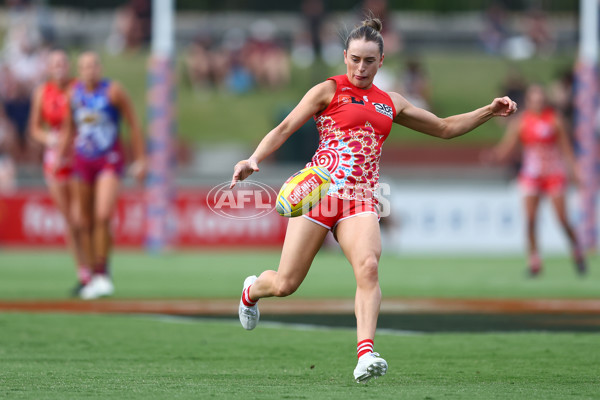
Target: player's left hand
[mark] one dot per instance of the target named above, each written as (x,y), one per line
(139,169)
(503,106)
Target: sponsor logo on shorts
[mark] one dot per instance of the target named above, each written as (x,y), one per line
(247,200)
(384,109)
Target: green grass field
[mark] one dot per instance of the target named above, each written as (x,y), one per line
(48,275)
(59,356)
(132,357)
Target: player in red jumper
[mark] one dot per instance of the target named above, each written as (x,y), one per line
(49,109)
(546,154)
(354,117)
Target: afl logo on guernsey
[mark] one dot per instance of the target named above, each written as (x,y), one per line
(384,109)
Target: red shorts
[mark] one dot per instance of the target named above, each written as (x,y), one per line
(332,210)
(88,169)
(62,174)
(52,172)
(551,185)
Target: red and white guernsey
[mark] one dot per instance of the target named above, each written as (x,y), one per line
(541,152)
(351,131)
(54,107)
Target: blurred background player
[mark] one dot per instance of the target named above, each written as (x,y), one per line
(547,151)
(50,106)
(25,61)
(354,117)
(96,107)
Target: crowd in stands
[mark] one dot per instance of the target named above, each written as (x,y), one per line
(22,68)
(240,61)
(533,36)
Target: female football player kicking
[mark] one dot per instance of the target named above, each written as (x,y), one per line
(353,117)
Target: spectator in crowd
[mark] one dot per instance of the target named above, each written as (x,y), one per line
(313,12)
(240,62)
(23,69)
(265,56)
(205,65)
(415,85)
(7,166)
(538,31)
(514,85)
(495,31)
(131,27)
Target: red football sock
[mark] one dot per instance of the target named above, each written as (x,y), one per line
(248,302)
(84,274)
(535,262)
(102,268)
(364,347)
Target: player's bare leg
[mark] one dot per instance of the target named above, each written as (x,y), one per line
(85,211)
(360,240)
(63,195)
(105,198)
(303,239)
(74,216)
(107,190)
(531,207)
(560,207)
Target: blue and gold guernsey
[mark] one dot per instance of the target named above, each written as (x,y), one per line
(96,119)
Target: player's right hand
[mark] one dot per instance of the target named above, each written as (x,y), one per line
(242,170)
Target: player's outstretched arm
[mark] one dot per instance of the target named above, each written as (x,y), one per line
(426,122)
(121,100)
(313,102)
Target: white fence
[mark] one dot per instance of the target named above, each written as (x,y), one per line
(467,219)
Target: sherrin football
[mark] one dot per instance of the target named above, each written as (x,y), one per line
(302,191)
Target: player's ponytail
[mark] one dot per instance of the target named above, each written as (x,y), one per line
(369,31)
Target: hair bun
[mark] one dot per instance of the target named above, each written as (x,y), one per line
(374,23)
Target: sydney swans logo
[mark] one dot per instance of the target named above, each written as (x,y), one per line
(247,200)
